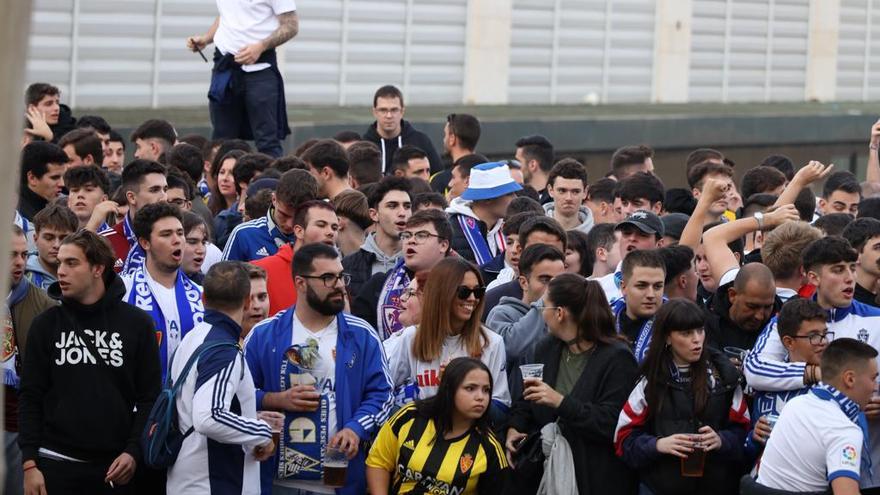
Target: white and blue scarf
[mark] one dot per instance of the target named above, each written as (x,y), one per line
(388,309)
(136,255)
(479,246)
(188,296)
(643,341)
(854,413)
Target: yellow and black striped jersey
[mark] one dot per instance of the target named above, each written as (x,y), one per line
(421,462)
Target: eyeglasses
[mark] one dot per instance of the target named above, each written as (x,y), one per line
(816,338)
(465,292)
(421,236)
(330,279)
(408,293)
(389,111)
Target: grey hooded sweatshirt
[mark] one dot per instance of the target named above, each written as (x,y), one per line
(584,215)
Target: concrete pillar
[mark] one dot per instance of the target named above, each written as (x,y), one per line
(487,51)
(821,83)
(15,23)
(672,51)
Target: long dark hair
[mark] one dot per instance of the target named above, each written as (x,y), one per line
(674,315)
(441,406)
(217,203)
(586,300)
(439,297)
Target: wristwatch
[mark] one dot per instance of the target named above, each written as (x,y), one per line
(759,216)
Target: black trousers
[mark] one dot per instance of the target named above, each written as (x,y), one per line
(76,478)
(253,104)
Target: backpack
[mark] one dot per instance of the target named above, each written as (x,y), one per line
(162,439)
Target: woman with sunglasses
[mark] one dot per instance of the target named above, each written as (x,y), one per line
(588,373)
(684,424)
(443,444)
(451,305)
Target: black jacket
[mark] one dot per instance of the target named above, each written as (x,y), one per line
(66,123)
(723,467)
(408,136)
(75,405)
(29,202)
(588,415)
(359,265)
(721,331)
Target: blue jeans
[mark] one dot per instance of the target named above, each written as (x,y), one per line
(14,484)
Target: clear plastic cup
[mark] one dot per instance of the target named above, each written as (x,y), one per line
(335,467)
(532,371)
(276,423)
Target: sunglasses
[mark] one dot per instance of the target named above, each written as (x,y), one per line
(465,292)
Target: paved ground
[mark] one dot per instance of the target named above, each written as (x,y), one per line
(304,116)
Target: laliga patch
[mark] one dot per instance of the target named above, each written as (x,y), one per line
(848,456)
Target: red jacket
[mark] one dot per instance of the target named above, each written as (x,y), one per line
(116,237)
(282,293)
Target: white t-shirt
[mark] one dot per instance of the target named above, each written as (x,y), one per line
(325,373)
(812,443)
(213,255)
(243,22)
(612,291)
(404,366)
(168,305)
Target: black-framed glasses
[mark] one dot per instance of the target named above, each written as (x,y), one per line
(816,338)
(420,236)
(330,279)
(465,292)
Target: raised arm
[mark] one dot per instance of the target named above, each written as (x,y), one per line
(873,172)
(808,174)
(713,190)
(715,240)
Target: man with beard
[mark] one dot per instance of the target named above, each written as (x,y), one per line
(642,229)
(325,370)
(159,286)
(24,302)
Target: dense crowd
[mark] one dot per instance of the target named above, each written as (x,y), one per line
(369,314)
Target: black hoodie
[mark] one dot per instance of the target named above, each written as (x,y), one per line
(75,406)
(408,136)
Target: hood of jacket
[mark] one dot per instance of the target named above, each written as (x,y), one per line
(462,207)
(585,216)
(114,293)
(406,130)
(514,303)
(34,265)
(372,247)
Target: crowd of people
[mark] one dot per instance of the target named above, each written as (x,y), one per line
(369,314)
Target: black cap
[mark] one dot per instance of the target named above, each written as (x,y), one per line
(673,224)
(644,220)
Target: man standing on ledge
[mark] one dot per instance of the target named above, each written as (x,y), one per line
(246,97)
